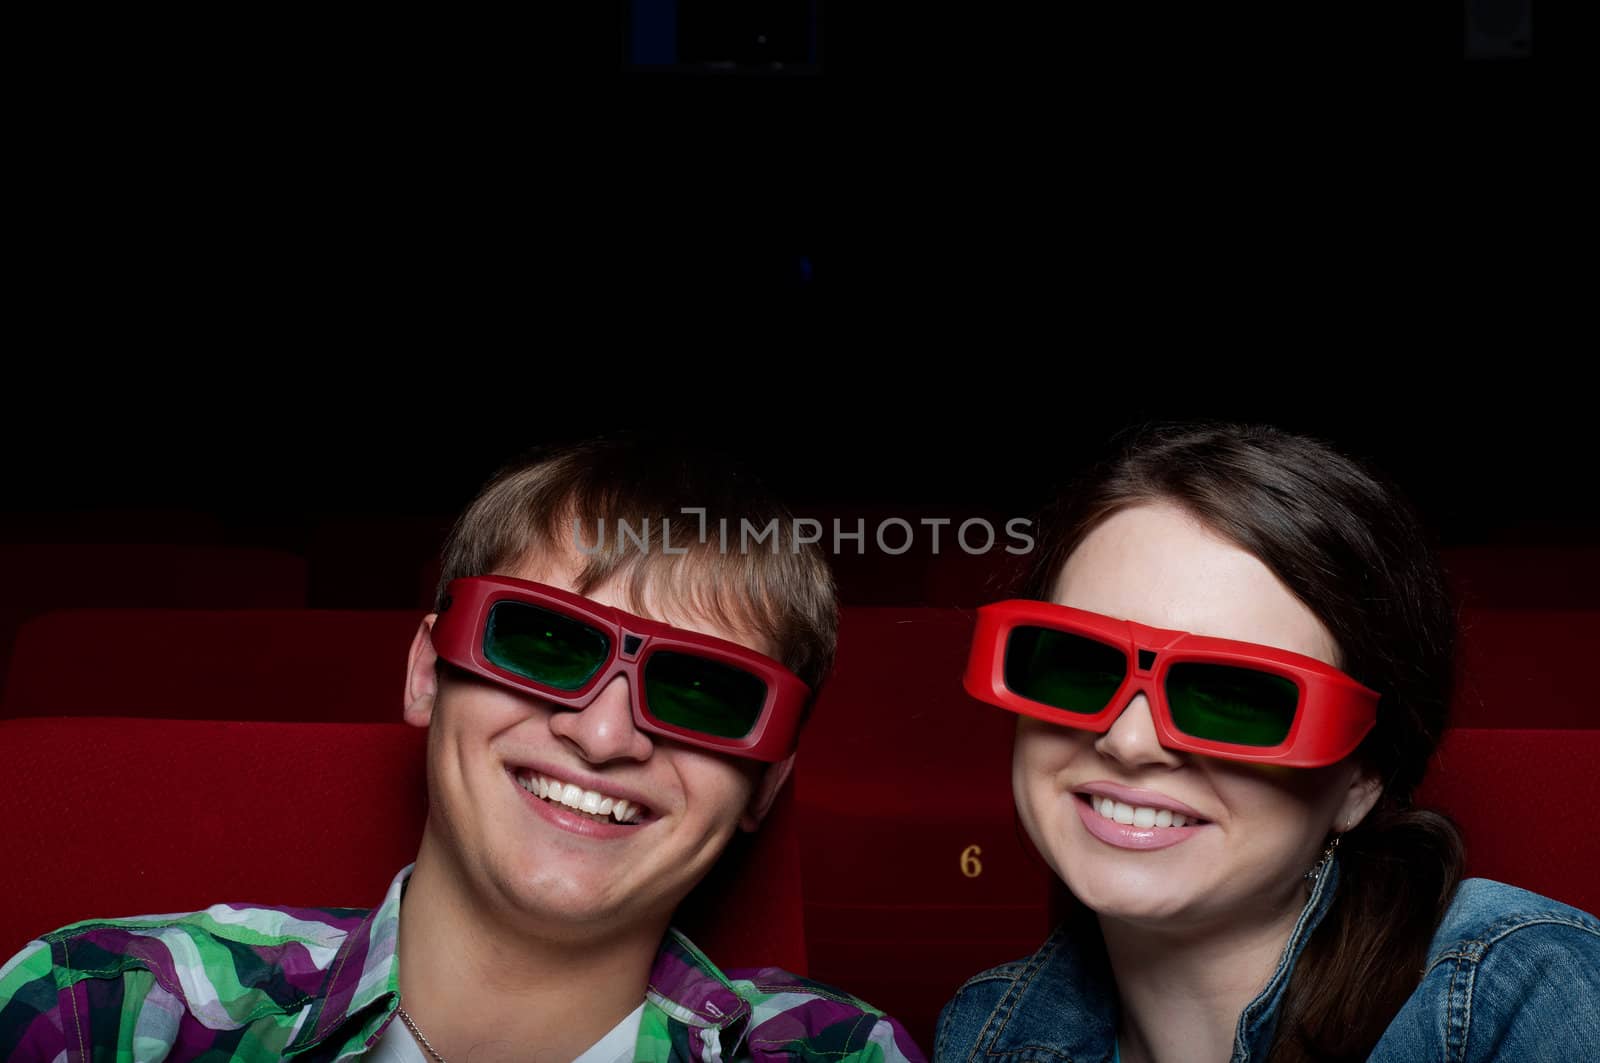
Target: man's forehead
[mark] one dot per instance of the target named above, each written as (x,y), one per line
(655,599)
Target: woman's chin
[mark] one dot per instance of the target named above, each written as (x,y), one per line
(1140,910)
(1149,900)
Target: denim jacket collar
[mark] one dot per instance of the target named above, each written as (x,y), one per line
(1062,1005)
(1259,1020)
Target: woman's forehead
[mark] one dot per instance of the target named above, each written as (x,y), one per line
(1157,565)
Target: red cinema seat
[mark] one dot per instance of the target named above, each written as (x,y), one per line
(916,875)
(51,575)
(1525,577)
(317,665)
(428,584)
(371,560)
(109,816)
(1517,669)
(1521,798)
(967,580)
(40,577)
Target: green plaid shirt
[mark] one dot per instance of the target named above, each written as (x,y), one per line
(250,984)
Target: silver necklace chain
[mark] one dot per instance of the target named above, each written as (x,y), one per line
(412,1026)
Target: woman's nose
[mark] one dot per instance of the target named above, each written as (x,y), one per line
(1132,738)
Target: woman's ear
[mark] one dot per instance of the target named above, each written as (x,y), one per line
(422,680)
(1364,791)
(765,793)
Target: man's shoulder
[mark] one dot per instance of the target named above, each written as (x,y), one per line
(774,990)
(800,1018)
(218,964)
(87,945)
(772,1015)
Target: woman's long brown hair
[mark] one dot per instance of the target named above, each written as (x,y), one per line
(1347,544)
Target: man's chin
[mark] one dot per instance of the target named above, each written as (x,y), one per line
(563,918)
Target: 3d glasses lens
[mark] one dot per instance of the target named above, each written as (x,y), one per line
(702,695)
(1063,670)
(1224,703)
(544,646)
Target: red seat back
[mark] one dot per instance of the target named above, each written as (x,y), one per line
(1525,577)
(1517,669)
(39,577)
(53,575)
(106,816)
(1521,798)
(916,874)
(317,665)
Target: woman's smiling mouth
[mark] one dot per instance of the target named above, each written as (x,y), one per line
(1134,828)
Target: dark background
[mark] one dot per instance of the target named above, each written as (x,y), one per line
(1490,454)
(223,310)
(764,36)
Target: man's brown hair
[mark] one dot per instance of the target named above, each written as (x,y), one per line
(607,498)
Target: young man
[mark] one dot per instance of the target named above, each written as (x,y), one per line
(607,701)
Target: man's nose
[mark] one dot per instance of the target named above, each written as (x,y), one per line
(604,730)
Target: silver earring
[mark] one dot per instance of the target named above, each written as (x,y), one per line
(1327,854)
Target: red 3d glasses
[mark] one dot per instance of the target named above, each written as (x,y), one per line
(564,648)
(1214,696)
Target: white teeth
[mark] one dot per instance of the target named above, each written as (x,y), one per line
(576,797)
(1137,816)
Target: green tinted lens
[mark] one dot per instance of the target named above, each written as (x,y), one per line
(1224,703)
(1062,670)
(543,646)
(699,694)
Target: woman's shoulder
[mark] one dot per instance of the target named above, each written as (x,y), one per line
(996,978)
(987,987)
(1056,997)
(963,1018)
(1510,975)
(1484,913)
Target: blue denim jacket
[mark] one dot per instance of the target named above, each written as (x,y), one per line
(1511,976)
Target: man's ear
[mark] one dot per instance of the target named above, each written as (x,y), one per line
(422,680)
(765,793)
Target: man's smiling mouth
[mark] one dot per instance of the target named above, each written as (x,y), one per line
(598,806)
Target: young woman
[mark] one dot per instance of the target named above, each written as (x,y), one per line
(1231,670)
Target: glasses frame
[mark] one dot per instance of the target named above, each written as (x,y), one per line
(1332,716)
(461,627)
